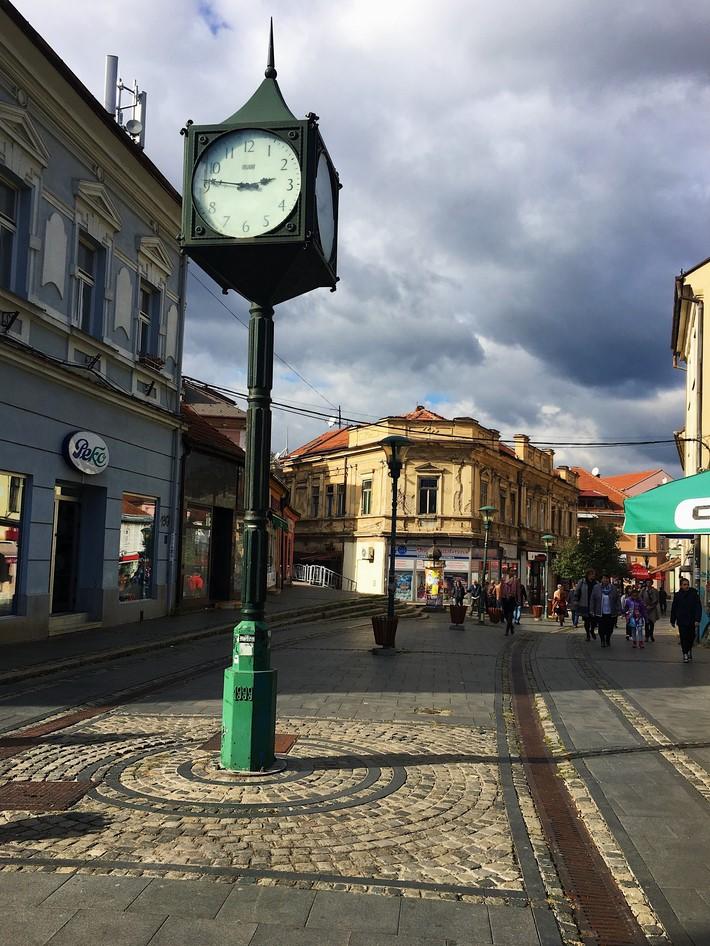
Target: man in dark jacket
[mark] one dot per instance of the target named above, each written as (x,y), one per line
(581,602)
(686,612)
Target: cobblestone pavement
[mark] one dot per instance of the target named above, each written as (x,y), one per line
(402,816)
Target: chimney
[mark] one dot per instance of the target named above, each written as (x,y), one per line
(521,446)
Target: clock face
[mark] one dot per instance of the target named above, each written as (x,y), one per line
(324,207)
(246,183)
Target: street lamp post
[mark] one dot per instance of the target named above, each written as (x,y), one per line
(396,449)
(487,513)
(548,540)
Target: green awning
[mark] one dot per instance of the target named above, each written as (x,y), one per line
(278,522)
(679,507)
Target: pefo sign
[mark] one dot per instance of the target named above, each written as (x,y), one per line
(87,452)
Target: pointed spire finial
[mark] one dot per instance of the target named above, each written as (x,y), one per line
(270,67)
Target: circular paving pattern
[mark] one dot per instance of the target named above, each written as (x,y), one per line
(416,802)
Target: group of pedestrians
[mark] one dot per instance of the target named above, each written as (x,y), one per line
(601,604)
(508,595)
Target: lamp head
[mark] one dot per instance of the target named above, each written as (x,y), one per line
(487,514)
(396,449)
(548,540)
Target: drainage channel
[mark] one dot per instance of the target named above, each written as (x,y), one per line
(602,914)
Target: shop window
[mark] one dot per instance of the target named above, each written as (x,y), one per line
(315,501)
(641,542)
(340,500)
(428,494)
(329,500)
(88,307)
(366,497)
(148,319)
(135,564)
(11,497)
(196,541)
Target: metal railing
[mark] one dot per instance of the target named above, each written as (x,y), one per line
(323,577)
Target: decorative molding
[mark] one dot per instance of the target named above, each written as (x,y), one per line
(123,308)
(18,126)
(58,204)
(153,249)
(54,265)
(97,199)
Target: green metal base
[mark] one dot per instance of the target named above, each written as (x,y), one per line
(248,720)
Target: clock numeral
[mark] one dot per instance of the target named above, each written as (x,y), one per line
(266,221)
(282,205)
(290,184)
(245,227)
(206,184)
(249,145)
(212,209)
(229,153)
(225,221)
(284,163)
(215,167)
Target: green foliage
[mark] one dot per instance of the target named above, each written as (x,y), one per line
(597,547)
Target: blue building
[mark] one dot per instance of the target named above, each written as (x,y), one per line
(91,313)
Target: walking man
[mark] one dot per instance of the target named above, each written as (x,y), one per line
(475,592)
(509,596)
(582,596)
(605,606)
(663,599)
(686,612)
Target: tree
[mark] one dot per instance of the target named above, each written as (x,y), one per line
(596,547)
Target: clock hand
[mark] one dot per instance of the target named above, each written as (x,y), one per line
(266,180)
(240,185)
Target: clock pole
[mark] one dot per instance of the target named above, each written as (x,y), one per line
(249,705)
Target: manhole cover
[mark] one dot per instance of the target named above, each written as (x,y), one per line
(41,796)
(283,744)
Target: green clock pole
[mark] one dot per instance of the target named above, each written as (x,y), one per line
(249,705)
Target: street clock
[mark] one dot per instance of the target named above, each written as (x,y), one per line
(260,199)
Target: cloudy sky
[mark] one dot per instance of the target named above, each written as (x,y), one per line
(522,182)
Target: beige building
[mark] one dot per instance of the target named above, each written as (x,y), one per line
(341,487)
(689,342)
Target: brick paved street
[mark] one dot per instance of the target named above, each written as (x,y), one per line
(400,817)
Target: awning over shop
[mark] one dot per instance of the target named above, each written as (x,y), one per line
(676,508)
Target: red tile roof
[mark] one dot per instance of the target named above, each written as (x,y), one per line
(421,413)
(330,440)
(626,480)
(202,433)
(588,482)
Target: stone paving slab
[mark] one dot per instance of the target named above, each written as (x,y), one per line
(180,898)
(90,927)
(361,913)
(29,926)
(181,931)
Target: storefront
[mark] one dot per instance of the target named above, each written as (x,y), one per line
(459,561)
(88,487)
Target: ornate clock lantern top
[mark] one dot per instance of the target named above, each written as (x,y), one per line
(260,206)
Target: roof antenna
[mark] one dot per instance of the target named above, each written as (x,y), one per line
(270,67)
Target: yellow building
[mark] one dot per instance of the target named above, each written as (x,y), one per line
(689,342)
(341,487)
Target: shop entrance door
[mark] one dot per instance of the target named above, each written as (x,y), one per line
(221,554)
(65,549)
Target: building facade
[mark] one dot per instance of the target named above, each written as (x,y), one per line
(91,314)
(341,488)
(689,345)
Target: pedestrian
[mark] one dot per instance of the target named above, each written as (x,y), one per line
(559,604)
(582,595)
(663,599)
(459,592)
(686,612)
(605,605)
(519,607)
(572,605)
(474,589)
(636,619)
(650,598)
(509,597)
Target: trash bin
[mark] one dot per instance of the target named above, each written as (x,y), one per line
(385,629)
(458,613)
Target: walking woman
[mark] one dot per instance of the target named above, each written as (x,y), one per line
(636,619)
(686,612)
(650,598)
(559,604)
(605,607)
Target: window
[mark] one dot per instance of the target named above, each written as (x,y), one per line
(366,500)
(11,496)
(196,538)
(513,508)
(8,230)
(340,504)
(329,499)
(315,501)
(428,489)
(86,283)
(484,493)
(641,542)
(135,563)
(503,507)
(148,316)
